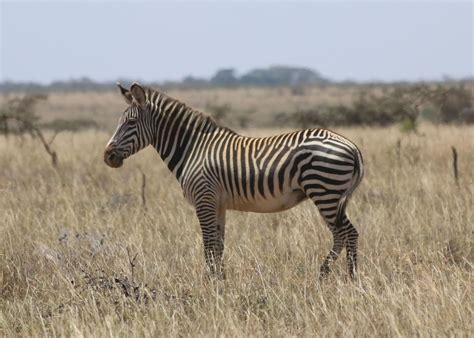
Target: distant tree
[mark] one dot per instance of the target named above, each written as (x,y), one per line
(191,81)
(282,76)
(224,77)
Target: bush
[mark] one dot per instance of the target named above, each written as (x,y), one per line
(454,104)
(408,125)
(467,115)
(70,125)
(219,111)
(403,105)
(18,116)
(298,90)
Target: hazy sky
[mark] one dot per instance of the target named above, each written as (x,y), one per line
(46,41)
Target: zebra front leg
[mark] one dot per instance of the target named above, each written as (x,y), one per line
(213,230)
(213,252)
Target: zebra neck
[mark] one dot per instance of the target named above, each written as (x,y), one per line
(178,131)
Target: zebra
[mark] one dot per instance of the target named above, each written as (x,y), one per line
(219,169)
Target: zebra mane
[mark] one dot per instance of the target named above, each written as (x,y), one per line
(199,116)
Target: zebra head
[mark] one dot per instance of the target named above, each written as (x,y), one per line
(133,131)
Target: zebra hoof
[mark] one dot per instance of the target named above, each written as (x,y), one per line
(324,272)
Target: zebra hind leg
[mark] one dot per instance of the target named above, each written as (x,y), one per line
(326,202)
(344,234)
(351,237)
(348,236)
(338,245)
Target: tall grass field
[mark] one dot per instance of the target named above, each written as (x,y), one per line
(86,250)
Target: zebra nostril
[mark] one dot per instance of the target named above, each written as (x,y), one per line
(113,158)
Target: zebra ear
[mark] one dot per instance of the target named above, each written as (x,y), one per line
(138,93)
(125,93)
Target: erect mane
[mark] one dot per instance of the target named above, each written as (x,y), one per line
(197,114)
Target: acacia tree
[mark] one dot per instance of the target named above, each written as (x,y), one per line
(18,117)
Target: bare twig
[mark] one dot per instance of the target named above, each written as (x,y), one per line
(49,150)
(51,140)
(455,165)
(143,191)
(399,146)
(132,263)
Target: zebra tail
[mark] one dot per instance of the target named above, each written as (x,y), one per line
(355,181)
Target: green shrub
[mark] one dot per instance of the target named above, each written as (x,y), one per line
(408,125)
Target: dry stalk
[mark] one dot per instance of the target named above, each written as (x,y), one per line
(132,263)
(455,166)
(144,190)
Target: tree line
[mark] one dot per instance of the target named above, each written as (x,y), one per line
(228,77)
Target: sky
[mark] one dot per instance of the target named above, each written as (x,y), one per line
(156,41)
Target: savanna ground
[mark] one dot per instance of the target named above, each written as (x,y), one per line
(81,252)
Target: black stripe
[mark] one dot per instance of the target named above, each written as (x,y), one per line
(251,169)
(311,177)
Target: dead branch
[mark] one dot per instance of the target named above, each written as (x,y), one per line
(131,262)
(143,191)
(46,145)
(455,166)
(36,132)
(21,111)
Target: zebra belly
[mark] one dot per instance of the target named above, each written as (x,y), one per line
(279,202)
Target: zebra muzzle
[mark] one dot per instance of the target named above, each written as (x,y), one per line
(112,158)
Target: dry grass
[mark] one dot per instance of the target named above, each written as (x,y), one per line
(259,104)
(65,269)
